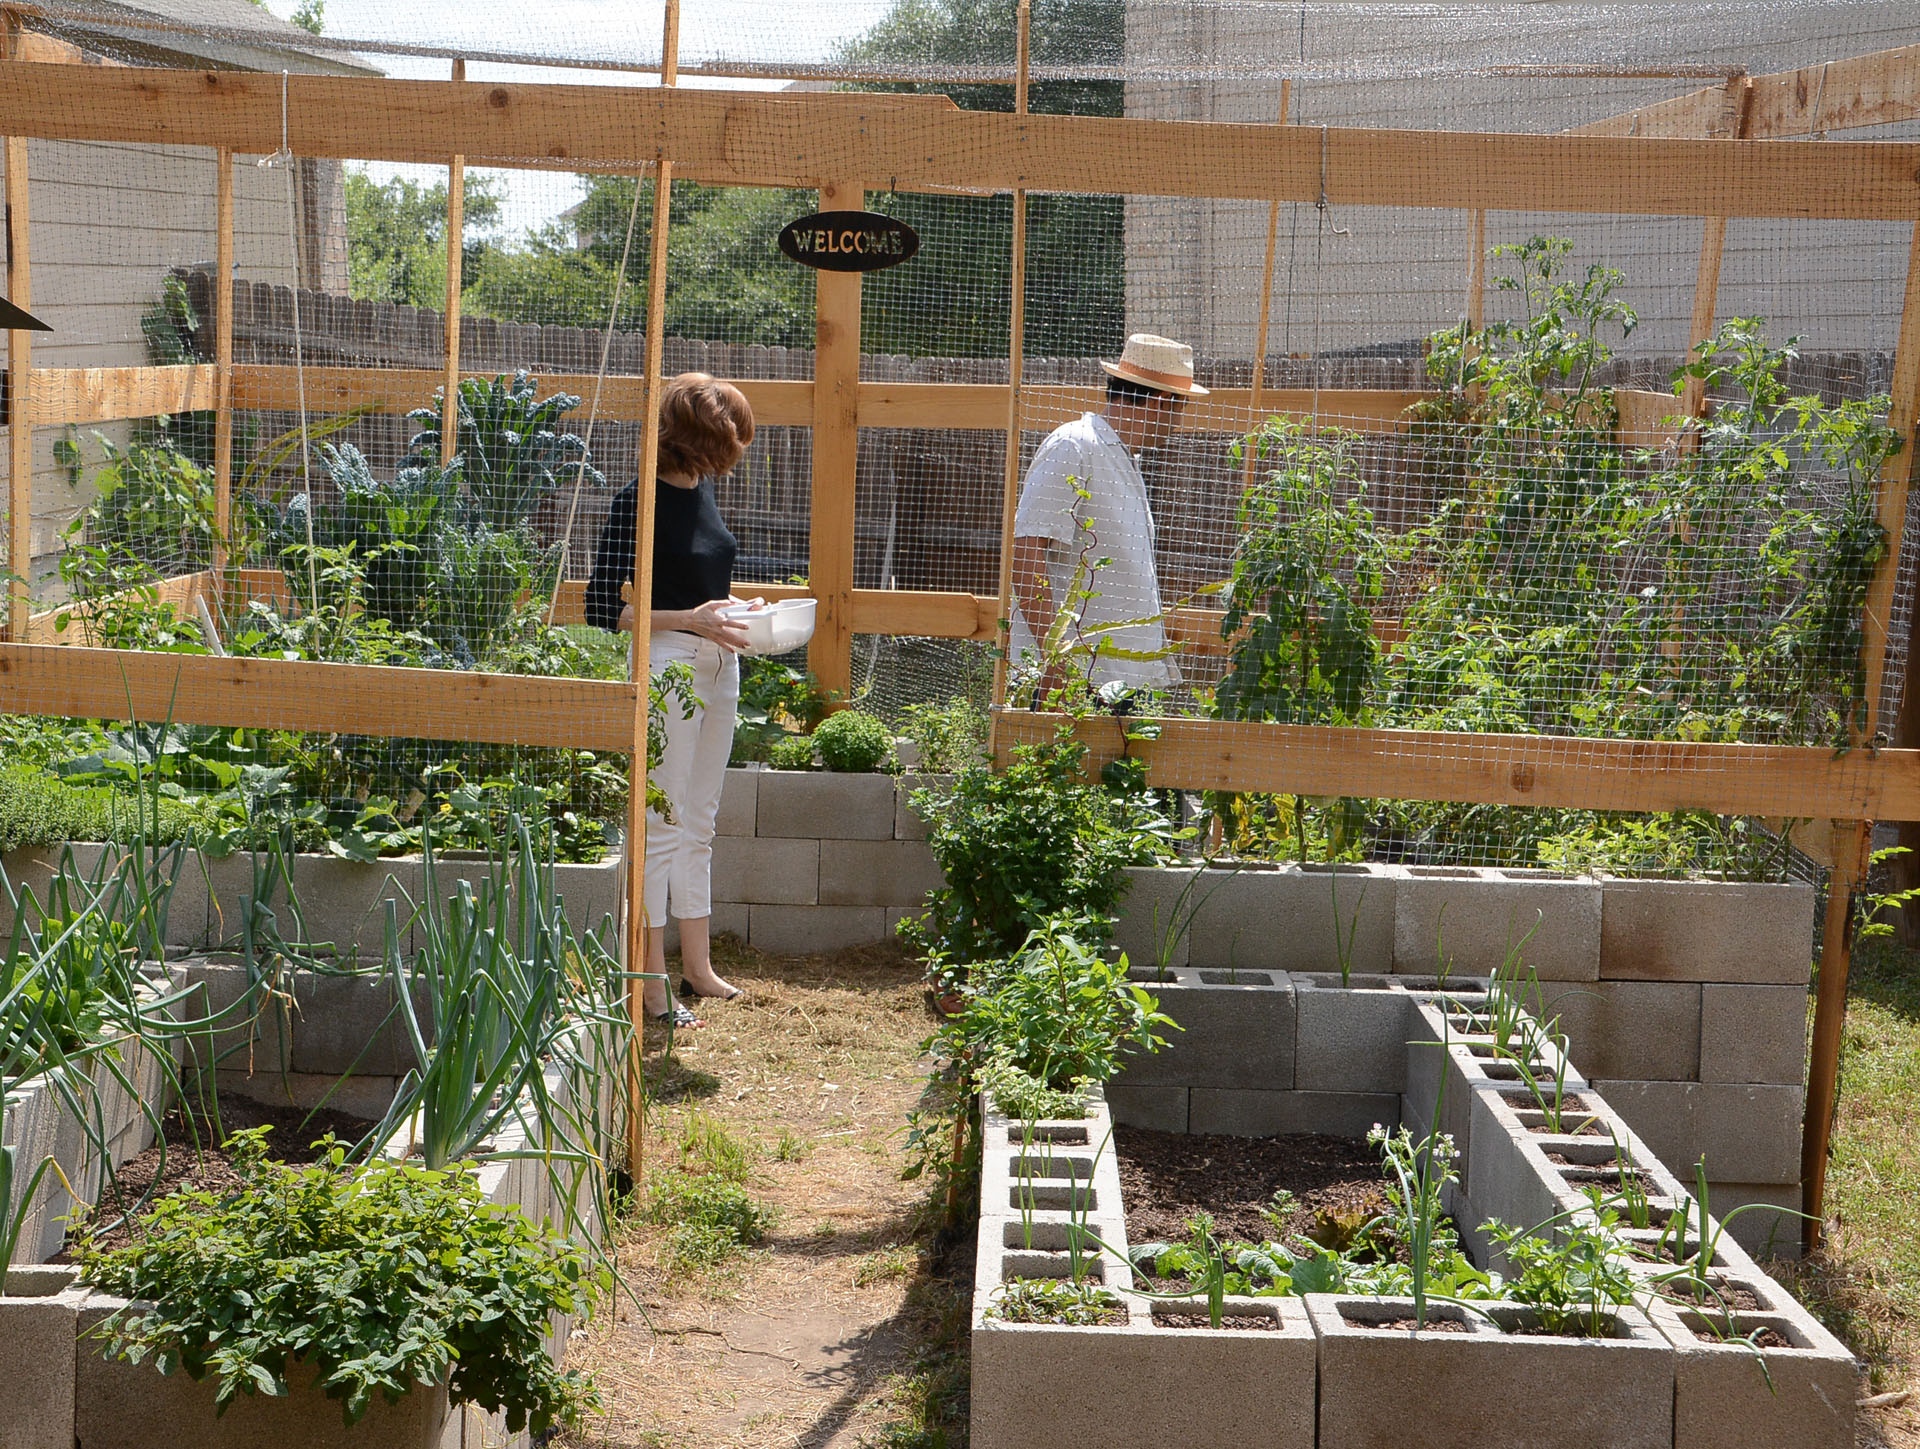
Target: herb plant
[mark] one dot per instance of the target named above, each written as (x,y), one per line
(382,1279)
(853,743)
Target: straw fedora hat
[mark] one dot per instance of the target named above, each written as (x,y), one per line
(1159,363)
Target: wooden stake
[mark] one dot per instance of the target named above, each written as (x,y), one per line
(1850,849)
(456,237)
(641,598)
(1476,308)
(1016,364)
(20,393)
(836,453)
(1736,100)
(223,359)
(1256,397)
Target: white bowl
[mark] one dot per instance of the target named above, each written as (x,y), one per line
(774,628)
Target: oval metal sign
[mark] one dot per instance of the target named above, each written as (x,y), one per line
(849,241)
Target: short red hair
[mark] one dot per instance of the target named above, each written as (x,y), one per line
(705,425)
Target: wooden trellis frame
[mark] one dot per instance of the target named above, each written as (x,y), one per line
(1660,160)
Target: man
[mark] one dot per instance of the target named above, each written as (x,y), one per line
(1084,501)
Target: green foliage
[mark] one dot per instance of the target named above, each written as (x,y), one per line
(791,752)
(39,809)
(1055,1300)
(381,1278)
(1025,1097)
(1573,1278)
(396,236)
(152,503)
(1021,844)
(1057,1011)
(713,1218)
(853,743)
(950,736)
(775,700)
(512,451)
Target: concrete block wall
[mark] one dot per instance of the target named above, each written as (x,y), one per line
(1684,1002)
(807,861)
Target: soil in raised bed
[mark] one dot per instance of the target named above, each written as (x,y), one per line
(191,1161)
(1409,1325)
(1246,1322)
(1739,1300)
(1765,1338)
(1167,1177)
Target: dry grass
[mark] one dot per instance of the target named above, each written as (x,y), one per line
(799,1090)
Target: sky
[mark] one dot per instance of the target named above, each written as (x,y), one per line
(626,30)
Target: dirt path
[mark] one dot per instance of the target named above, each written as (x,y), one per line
(827,1333)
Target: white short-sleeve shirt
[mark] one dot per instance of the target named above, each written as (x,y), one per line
(1113,522)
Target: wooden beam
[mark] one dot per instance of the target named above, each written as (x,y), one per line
(1896,480)
(1842,95)
(104,394)
(836,452)
(328,699)
(20,392)
(1646,419)
(731,137)
(456,239)
(71,624)
(222,356)
(1580,774)
(1851,842)
(31,45)
(1016,376)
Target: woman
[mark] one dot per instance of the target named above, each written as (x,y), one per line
(705,426)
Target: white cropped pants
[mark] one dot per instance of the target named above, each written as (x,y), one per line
(692,772)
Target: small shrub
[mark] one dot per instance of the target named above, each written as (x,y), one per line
(853,743)
(37,809)
(1056,1300)
(791,752)
(951,736)
(381,1278)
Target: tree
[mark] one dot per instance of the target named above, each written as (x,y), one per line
(396,237)
(955,298)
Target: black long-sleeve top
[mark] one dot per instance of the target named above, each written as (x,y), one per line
(693,552)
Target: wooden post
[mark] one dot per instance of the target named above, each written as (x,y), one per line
(19,372)
(1476,308)
(1016,364)
(456,236)
(223,362)
(1256,399)
(1713,242)
(641,598)
(1850,862)
(1850,848)
(836,450)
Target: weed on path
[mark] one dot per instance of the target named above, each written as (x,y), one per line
(789,1290)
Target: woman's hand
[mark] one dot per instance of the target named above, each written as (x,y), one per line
(707,623)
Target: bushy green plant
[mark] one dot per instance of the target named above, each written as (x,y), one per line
(152,502)
(713,1217)
(775,700)
(853,743)
(1020,844)
(511,449)
(950,736)
(791,752)
(39,809)
(1055,1300)
(1573,1278)
(1057,1010)
(382,1279)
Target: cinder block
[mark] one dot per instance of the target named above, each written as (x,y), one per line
(1770,1228)
(1156,910)
(1380,1387)
(358,1096)
(807,930)
(1162,1109)
(1634,1030)
(26,871)
(1662,1115)
(825,806)
(1511,1180)
(1478,919)
(729,918)
(766,872)
(1681,930)
(876,872)
(1750,1132)
(1038,1386)
(1285,919)
(131,1406)
(739,798)
(1237,1112)
(909,823)
(1236,1033)
(38,1322)
(345,1024)
(1351,1038)
(1727,1397)
(1753,1034)
(255,1031)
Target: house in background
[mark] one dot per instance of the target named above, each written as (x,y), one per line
(109,221)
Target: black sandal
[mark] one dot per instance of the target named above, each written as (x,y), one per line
(676,1016)
(687,993)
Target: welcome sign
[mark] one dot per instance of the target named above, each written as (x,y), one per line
(849,241)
